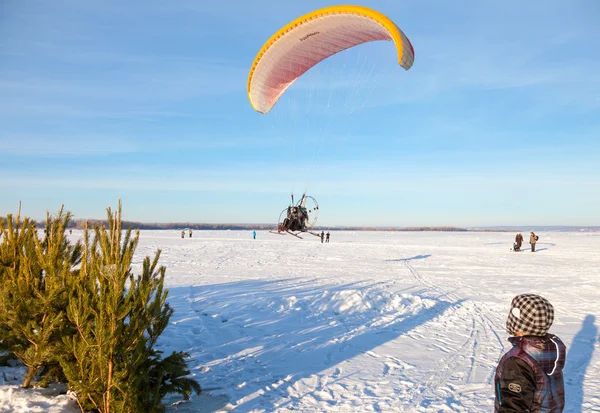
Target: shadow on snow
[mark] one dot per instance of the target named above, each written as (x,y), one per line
(416,257)
(262,337)
(578,360)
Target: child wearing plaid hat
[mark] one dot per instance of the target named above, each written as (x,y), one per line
(529,377)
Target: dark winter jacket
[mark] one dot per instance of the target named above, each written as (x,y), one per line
(529,377)
(519,240)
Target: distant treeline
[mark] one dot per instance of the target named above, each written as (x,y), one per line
(80,223)
(445,229)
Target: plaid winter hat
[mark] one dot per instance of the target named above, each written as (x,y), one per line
(530,314)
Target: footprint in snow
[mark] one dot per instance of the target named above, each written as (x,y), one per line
(369,392)
(328,358)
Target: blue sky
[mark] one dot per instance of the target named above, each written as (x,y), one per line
(497,122)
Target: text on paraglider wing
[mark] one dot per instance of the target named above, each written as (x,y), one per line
(309,35)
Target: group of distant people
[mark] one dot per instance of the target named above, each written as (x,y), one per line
(519,241)
(324,237)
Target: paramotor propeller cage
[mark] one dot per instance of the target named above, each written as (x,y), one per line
(312,207)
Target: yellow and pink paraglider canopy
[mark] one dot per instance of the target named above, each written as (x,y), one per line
(312,38)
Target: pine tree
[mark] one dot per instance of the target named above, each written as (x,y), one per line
(111,363)
(15,247)
(36,277)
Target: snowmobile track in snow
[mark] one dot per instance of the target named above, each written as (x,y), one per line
(482,335)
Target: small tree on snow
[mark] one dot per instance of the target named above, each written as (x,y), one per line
(111,363)
(35,278)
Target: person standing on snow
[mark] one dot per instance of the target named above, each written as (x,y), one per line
(190,233)
(327,237)
(519,241)
(532,240)
(183,234)
(254,234)
(322,236)
(529,377)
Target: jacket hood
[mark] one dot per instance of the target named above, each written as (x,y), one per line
(548,351)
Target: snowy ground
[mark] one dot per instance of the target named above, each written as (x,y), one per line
(370,322)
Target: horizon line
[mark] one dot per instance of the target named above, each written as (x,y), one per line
(246,225)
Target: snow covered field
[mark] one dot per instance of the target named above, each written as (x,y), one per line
(373,321)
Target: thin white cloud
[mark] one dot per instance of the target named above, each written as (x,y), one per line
(389,176)
(175,80)
(375,186)
(86,144)
(62,146)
